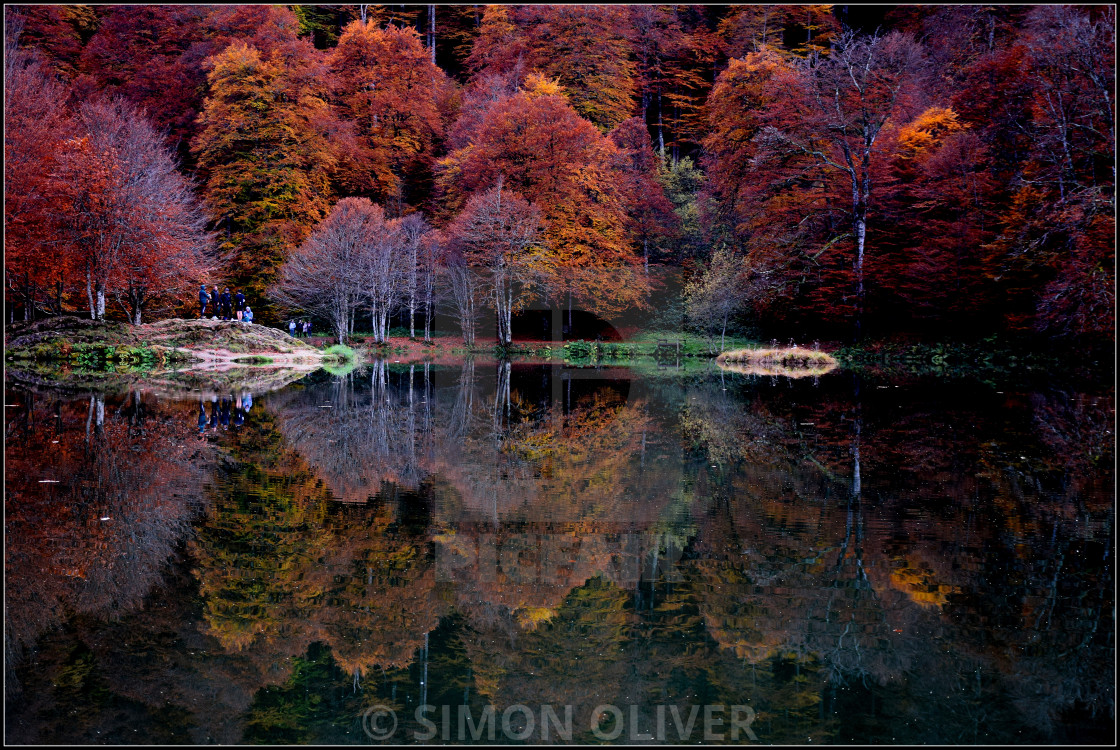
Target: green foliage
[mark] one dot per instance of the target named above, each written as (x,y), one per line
(323,23)
(990,357)
(339,352)
(316,704)
(682,182)
(339,360)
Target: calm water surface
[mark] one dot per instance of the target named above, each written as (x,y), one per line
(854,559)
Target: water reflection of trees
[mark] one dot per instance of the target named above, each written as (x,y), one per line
(695,546)
(494,452)
(949,555)
(99,493)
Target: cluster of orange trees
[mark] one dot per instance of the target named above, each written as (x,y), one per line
(949,169)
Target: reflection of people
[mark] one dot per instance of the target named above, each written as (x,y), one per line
(214,413)
(223,412)
(238,413)
(247,402)
(201,417)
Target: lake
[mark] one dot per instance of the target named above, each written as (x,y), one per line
(509,552)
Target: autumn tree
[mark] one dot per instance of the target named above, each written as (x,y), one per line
(852,93)
(265,161)
(127,218)
(814,123)
(586,49)
(383,270)
(554,158)
(651,220)
(937,217)
(37,123)
(498,230)
(58,32)
(386,82)
(429,256)
(715,293)
(1063,209)
(464,290)
(152,56)
(320,276)
(413,228)
(751,28)
(777,210)
(499,43)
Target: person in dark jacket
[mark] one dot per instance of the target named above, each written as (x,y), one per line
(227,304)
(215,303)
(203,298)
(239,304)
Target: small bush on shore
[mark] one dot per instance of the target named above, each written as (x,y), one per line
(788,358)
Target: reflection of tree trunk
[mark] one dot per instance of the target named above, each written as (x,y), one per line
(501,396)
(464,402)
(855,453)
(424,679)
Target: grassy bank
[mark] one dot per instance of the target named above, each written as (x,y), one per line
(89,345)
(99,345)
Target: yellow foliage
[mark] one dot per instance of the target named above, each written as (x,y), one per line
(920,586)
(536,84)
(927,131)
(530,617)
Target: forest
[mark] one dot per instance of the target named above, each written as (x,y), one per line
(843,173)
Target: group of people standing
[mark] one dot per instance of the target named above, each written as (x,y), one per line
(225,305)
(300,327)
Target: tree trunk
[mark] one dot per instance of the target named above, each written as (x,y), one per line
(28,297)
(432,31)
(660,129)
(428,319)
(861,236)
(89,296)
(509,317)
